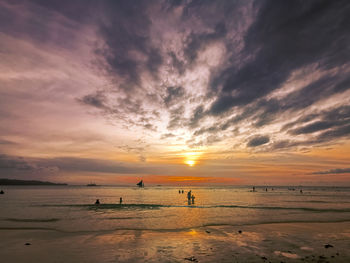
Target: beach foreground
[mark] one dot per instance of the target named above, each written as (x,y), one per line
(285,242)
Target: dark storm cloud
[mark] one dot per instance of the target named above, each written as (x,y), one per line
(300,120)
(286,35)
(212,129)
(337,133)
(6,142)
(92,165)
(178,64)
(15,164)
(261,46)
(173,95)
(167,135)
(282,144)
(123,25)
(125,29)
(176,118)
(334,171)
(332,124)
(315,127)
(337,118)
(196,41)
(320,89)
(78,10)
(38,21)
(97,100)
(211,12)
(18,163)
(300,99)
(197,115)
(258,140)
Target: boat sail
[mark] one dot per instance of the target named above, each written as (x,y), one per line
(140,184)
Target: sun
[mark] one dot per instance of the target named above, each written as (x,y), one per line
(190,162)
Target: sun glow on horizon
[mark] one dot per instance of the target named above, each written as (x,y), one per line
(190,162)
(191,158)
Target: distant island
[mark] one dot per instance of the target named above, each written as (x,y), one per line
(25,182)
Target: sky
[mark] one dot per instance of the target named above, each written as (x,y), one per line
(175,92)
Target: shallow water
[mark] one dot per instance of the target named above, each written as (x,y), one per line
(72,209)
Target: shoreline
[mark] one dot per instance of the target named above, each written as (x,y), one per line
(281,242)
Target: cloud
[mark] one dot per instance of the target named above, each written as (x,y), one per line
(314,127)
(167,135)
(176,118)
(173,95)
(89,75)
(194,41)
(128,49)
(336,118)
(284,36)
(197,115)
(71,164)
(258,140)
(340,132)
(20,165)
(97,100)
(92,165)
(334,171)
(6,142)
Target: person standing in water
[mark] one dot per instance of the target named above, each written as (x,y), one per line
(120,200)
(189,194)
(193,197)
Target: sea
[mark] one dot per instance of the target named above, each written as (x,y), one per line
(73,209)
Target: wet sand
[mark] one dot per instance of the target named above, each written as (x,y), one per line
(292,242)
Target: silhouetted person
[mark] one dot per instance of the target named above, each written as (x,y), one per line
(179,191)
(120,200)
(182,191)
(301,191)
(189,194)
(253,188)
(266,189)
(193,197)
(2,192)
(97,202)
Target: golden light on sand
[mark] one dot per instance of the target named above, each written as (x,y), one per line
(193,232)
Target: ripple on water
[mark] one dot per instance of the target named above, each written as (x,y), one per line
(286,254)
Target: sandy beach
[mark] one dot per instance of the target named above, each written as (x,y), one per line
(296,242)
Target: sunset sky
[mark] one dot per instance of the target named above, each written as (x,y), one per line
(175,92)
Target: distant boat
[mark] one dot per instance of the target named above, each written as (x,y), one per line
(140,184)
(91,184)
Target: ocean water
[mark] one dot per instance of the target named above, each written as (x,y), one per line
(72,209)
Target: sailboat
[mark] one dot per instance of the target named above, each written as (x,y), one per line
(140,184)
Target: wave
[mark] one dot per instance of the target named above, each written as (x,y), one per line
(136,217)
(31,220)
(310,209)
(180,229)
(111,206)
(159,206)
